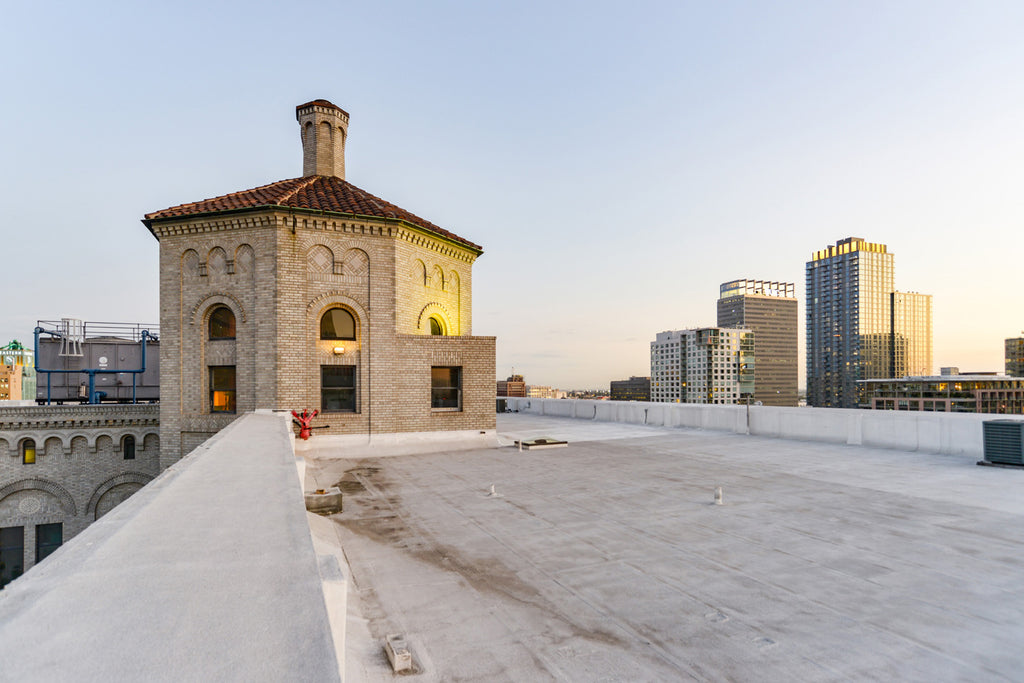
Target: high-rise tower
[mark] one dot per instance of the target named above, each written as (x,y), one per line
(770,310)
(910,334)
(849,322)
(1015,356)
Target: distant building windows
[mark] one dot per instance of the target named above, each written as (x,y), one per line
(446,388)
(338,388)
(28,452)
(49,537)
(128,447)
(12,553)
(436,327)
(222,389)
(337,323)
(222,323)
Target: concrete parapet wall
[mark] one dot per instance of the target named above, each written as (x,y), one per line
(207,573)
(945,433)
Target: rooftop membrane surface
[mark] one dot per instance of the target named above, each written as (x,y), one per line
(609,561)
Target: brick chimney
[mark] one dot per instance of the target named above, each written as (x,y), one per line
(324,128)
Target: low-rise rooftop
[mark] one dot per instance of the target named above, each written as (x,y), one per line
(608,559)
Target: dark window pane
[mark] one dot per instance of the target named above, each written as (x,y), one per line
(338,388)
(128,446)
(48,538)
(222,389)
(12,553)
(337,323)
(222,324)
(435,327)
(445,387)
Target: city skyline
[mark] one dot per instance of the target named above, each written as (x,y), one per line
(604,185)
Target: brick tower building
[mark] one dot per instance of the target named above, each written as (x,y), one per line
(312,293)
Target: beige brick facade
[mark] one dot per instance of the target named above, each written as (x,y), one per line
(279,269)
(10,382)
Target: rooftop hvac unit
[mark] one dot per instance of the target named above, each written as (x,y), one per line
(1004,442)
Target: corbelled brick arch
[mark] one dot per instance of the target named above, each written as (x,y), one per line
(139,478)
(53,445)
(435,309)
(200,311)
(67,503)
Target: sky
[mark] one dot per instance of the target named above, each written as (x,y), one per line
(617,161)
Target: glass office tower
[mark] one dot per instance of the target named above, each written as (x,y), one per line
(849,320)
(1015,357)
(911,336)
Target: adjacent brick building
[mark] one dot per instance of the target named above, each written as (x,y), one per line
(514,386)
(10,382)
(62,467)
(312,293)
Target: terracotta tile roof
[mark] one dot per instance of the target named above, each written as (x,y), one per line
(317,193)
(320,103)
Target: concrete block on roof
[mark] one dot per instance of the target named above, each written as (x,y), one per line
(324,501)
(398,653)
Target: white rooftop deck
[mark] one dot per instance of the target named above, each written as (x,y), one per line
(608,561)
(604,560)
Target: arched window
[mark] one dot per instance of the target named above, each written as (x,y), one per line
(337,323)
(28,452)
(128,447)
(222,323)
(436,327)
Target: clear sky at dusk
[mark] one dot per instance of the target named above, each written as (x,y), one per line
(617,161)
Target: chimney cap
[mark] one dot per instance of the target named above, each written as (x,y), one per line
(320,103)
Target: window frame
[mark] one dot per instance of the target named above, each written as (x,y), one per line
(454,383)
(29,452)
(352,370)
(15,552)
(336,336)
(128,447)
(212,320)
(232,392)
(44,550)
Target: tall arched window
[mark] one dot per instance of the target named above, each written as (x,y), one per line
(337,323)
(128,447)
(28,452)
(436,327)
(222,323)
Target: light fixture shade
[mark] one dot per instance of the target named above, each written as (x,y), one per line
(338,350)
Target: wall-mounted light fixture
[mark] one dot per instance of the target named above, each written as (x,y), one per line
(338,350)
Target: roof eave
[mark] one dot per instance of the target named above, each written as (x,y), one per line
(469,246)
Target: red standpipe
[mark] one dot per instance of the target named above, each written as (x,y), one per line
(305,421)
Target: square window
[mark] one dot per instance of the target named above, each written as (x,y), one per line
(48,538)
(338,388)
(222,389)
(446,388)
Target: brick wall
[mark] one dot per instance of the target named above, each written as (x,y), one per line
(279,272)
(80,471)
